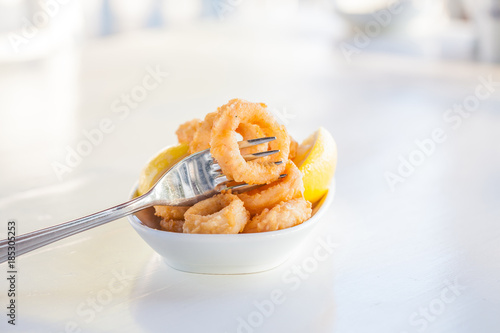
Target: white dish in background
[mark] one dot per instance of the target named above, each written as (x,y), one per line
(226,254)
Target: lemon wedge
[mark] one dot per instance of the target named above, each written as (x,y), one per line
(317,159)
(159,164)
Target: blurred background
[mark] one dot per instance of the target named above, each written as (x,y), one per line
(454,29)
(62,62)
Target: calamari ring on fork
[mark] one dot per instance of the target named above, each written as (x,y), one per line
(270,195)
(186,131)
(220,214)
(284,215)
(251,131)
(202,136)
(224,145)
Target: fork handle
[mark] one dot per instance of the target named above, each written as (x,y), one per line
(36,239)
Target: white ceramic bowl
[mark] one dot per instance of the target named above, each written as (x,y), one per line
(226,254)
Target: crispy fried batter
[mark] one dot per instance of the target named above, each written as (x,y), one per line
(220,214)
(284,215)
(201,139)
(279,204)
(294,145)
(268,196)
(185,133)
(171,212)
(171,225)
(224,145)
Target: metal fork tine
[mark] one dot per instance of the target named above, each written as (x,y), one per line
(216,167)
(255,142)
(254,156)
(250,143)
(244,187)
(221,179)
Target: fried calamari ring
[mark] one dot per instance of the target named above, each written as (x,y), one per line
(172,217)
(171,212)
(294,145)
(251,131)
(284,215)
(224,145)
(220,214)
(185,133)
(201,139)
(172,225)
(268,196)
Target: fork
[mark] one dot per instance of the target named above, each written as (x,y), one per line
(196,177)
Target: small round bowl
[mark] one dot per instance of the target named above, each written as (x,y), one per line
(226,254)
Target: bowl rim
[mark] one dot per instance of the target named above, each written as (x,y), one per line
(327,201)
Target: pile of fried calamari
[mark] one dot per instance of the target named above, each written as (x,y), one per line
(277,205)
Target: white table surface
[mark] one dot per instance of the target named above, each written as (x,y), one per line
(395,254)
